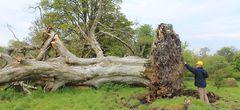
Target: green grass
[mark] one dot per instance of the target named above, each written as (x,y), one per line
(111,97)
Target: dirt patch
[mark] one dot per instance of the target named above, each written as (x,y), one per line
(211,96)
(151,96)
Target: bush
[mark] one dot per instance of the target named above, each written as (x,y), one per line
(215,63)
(220,74)
(226,82)
(190,58)
(236,62)
(228,53)
(218,83)
(230,82)
(236,75)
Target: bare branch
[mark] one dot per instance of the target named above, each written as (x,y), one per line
(23,50)
(40,10)
(10,29)
(70,58)
(119,39)
(112,29)
(77,23)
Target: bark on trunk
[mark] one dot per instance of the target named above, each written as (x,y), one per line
(70,69)
(100,72)
(96,47)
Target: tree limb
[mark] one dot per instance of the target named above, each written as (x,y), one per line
(40,10)
(45,46)
(9,28)
(112,29)
(66,73)
(97,82)
(72,59)
(6,57)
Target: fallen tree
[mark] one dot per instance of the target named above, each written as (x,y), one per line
(162,72)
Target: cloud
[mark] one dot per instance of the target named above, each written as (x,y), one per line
(15,13)
(211,23)
(212,36)
(173,10)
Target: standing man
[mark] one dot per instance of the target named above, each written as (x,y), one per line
(200,76)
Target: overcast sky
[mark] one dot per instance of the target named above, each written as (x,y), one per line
(17,14)
(203,23)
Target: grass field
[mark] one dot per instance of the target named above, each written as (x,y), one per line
(111,97)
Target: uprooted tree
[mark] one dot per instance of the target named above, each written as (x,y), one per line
(162,72)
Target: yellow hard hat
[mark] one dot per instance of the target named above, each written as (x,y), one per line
(199,63)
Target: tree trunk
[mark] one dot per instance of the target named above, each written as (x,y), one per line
(70,69)
(96,47)
(104,71)
(163,70)
(142,49)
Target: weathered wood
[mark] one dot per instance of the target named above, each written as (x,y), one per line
(74,60)
(46,45)
(21,87)
(70,69)
(63,74)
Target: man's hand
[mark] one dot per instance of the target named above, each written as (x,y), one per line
(185,62)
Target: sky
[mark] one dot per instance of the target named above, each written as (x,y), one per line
(17,14)
(202,23)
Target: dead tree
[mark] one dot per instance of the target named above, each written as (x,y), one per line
(162,72)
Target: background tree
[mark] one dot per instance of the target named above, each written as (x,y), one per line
(144,39)
(189,56)
(90,27)
(236,62)
(214,63)
(236,66)
(1,49)
(203,52)
(218,68)
(2,62)
(227,52)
